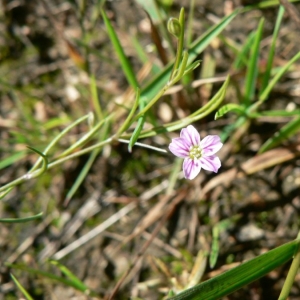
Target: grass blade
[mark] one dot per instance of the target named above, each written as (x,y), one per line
(242,57)
(267,73)
(20,287)
(284,133)
(12,159)
(52,276)
(138,128)
(240,276)
(252,69)
(276,78)
(126,66)
(70,275)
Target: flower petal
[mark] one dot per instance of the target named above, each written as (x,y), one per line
(191,135)
(210,145)
(191,168)
(210,163)
(179,148)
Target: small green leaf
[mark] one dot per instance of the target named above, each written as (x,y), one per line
(284,133)
(229,107)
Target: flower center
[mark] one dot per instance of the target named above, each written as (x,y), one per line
(195,152)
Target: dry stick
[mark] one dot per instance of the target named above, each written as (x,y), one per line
(157,229)
(292,11)
(94,232)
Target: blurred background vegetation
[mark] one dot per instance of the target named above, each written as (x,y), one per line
(107,208)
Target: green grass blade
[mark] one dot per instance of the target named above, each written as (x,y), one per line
(70,275)
(217,229)
(267,73)
(126,66)
(276,78)
(204,40)
(290,279)
(215,247)
(12,159)
(264,4)
(95,97)
(229,107)
(241,275)
(252,70)
(284,133)
(276,113)
(21,220)
(51,276)
(82,175)
(20,287)
(242,57)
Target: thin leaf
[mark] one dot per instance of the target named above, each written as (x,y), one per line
(267,72)
(215,247)
(51,276)
(126,66)
(217,229)
(264,4)
(276,113)
(276,78)
(21,220)
(284,133)
(12,159)
(241,57)
(20,287)
(70,275)
(229,107)
(126,123)
(138,128)
(57,138)
(82,175)
(95,97)
(241,275)
(252,69)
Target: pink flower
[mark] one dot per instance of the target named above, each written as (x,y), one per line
(197,153)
